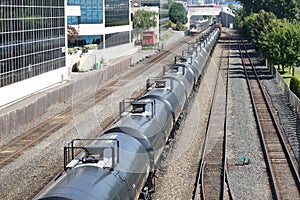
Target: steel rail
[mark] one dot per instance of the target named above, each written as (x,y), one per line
(271,173)
(225,127)
(264,148)
(279,129)
(200,175)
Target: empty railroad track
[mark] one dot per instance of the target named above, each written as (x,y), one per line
(281,165)
(211,179)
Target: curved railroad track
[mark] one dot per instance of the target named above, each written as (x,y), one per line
(211,179)
(281,164)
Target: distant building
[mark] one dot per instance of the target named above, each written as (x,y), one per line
(32,47)
(149,38)
(106,23)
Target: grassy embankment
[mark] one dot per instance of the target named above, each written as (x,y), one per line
(286,75)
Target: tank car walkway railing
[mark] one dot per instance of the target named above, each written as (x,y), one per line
(281,167)
(211,178)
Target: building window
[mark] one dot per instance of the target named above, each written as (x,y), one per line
(116,39)
(91,39)
(116,13)
(91,12)
(32,36)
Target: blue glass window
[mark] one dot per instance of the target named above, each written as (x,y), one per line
(91,11)
(73,20)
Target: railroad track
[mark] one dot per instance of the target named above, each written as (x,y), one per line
(211,181)
(281,164)
(17,146)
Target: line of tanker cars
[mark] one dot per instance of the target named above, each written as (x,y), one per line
(121,162)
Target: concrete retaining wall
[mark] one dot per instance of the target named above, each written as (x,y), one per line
(24,114)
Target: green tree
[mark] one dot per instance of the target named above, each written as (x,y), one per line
(275,31)
(295,86)
(180,27)
(270,43)
(289,9)
(144,19)
(239,20)
(256,23)
(230,6)
(178,14)
(280,42)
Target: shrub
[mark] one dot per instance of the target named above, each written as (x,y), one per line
(180,27)
(70,50)
(90,46)
(295,86)
(171,24)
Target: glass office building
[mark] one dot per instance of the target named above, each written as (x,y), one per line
(32,38)
(95,20)
(116,13)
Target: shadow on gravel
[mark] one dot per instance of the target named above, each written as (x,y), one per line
(240,164)
(235,57)
(236,72)
(264,74)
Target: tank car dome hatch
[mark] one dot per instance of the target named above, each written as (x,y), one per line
(105,156)
(178,69)
(173,93)
(194,50)
(187,58)
(165,84)
(145,108)
(175,69)
(183,59)
(90,181)
(138,107)
(188,66)
(160,84)
(202,43)
(183,77)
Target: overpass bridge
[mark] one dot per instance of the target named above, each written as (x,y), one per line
(201,10)
(209,10)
